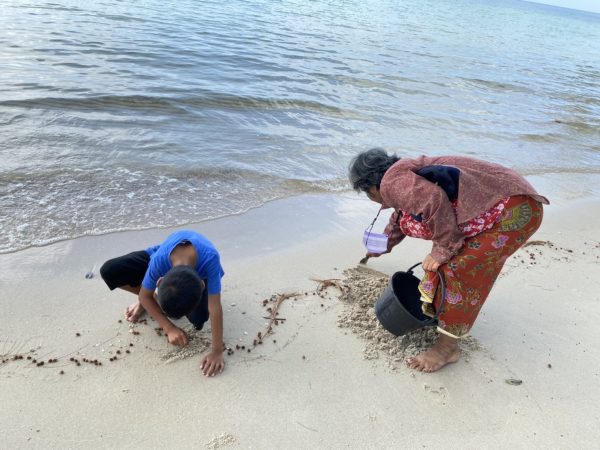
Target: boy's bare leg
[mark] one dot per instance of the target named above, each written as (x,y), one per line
(134,311)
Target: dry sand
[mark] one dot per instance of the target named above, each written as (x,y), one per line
(327,375)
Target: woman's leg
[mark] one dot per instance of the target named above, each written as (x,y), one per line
(444,351)
(470,276)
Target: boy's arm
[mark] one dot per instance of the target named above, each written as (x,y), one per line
(174,334)
(213,362)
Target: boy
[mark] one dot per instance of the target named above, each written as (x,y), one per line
(180,277)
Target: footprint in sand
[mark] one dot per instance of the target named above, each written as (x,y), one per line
(439,394)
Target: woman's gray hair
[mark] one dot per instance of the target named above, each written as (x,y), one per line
(368,168)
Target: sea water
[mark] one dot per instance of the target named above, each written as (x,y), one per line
(128,115)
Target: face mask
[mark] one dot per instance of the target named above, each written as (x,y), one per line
(375,242)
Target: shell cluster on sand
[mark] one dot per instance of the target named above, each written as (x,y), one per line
(198,342)
(220,441)
(32,358)
(361,288)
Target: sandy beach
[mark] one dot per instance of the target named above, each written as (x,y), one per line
(239,120)
(318,381)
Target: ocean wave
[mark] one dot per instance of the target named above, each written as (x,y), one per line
(64,204)
(174,105)
(502,86)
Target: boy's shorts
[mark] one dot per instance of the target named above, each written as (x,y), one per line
(127,270)
(130,269)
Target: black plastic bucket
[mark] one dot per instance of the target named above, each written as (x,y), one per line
(399,307)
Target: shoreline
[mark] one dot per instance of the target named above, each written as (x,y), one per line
(559,187)
(312,384)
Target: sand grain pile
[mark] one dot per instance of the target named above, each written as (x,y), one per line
(198,342)
(222,440)
(362,287)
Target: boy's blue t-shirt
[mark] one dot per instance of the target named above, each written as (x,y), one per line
(208,264)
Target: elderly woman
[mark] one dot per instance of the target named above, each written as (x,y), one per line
(475,213)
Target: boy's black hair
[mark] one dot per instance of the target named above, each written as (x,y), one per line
(368,168)
(179,291)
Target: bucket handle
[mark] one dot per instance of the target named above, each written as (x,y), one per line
(442,285)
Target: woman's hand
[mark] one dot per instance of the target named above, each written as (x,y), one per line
(213,363)
(430,264)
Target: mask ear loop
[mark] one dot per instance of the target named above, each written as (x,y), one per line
(370,227)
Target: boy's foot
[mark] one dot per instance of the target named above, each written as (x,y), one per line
(445,351)
(134,311)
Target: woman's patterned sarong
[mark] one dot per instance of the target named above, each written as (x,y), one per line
(471,273)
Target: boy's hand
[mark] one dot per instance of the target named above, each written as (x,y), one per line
(177,336)
(212,363)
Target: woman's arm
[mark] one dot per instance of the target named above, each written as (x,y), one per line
(413,194)
(392,230)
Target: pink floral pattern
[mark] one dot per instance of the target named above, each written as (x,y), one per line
(427,285)
(500,241)
(453,297)
(413,228)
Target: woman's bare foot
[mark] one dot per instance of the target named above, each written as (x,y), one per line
(134,311)
(445,351)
